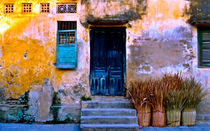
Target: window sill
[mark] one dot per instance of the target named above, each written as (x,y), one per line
(66,66)
(204,67)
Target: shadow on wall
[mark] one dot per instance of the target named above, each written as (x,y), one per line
(111,11)
(199,12)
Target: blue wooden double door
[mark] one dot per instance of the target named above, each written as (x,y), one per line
(107,69)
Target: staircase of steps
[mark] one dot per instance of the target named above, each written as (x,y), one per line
(108,114)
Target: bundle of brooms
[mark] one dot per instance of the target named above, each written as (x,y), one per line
(194,94)
(174,98)
(157,102)
(161,87)
(171,93)
(174,104)
(140,94)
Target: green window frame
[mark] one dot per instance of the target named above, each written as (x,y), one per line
(66,57)
(204,46)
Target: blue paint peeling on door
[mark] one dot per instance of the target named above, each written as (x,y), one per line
(107,76)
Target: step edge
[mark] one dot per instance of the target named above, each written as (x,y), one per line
(108,109)
(92,117)
(106,102)
(110,125)
(203,114)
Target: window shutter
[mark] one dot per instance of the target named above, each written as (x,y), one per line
(204,47)
(66,49)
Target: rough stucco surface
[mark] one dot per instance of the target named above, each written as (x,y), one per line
(108,10)
(159,40)
(28,51)
(199,12)
(164,52)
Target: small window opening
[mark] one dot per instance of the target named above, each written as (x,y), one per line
(66,8)
(45,7)
(66,55)
(9,8)
(66,32)
(27,7)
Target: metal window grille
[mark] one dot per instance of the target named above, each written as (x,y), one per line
(45,7)
(67,25)
(66,38)
(9,8)
(67,8)
(66,32)
(26,7)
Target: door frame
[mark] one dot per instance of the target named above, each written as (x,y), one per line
(123,28)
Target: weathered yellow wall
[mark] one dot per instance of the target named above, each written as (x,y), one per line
(28,49)
(159,40)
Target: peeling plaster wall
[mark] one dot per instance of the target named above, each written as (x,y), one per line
(159,40)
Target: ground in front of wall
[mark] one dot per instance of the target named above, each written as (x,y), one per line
(75,127)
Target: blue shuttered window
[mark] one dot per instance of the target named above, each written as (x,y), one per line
(204,47)
(66,45)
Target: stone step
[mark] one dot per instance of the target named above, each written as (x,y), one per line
(108,119)
(107,104)
(205,117)
(203,108)
(109,127)
(109,98)
(108,112)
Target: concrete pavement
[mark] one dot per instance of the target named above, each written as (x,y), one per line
(38,127)
(200,127)
(75,127)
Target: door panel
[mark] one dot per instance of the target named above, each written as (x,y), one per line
(107,61)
